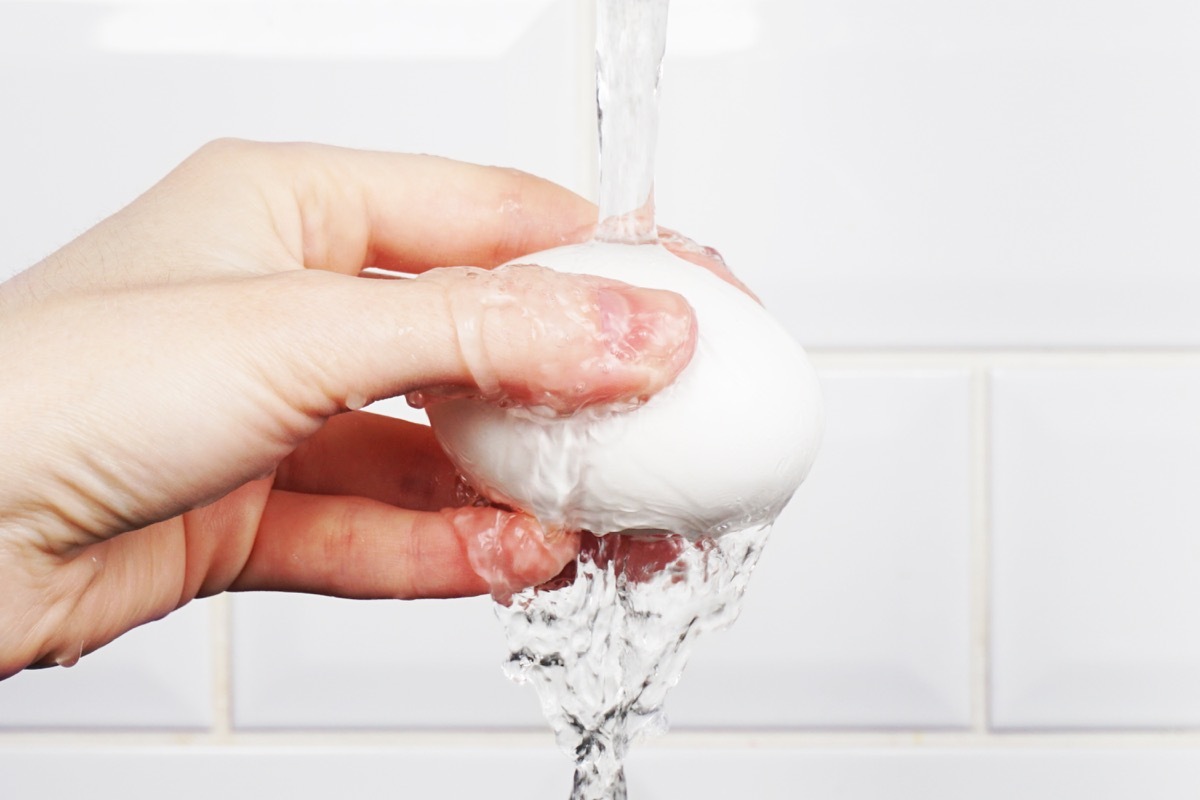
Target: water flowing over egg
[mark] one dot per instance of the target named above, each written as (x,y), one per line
(722,448)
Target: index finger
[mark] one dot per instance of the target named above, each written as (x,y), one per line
(344,210)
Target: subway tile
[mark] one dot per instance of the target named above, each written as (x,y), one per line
(939,173)
(155,676)
(858,613)
(886,505)
(98,114)
(310,662)
(914,774)
(658,773)
(1096,557)
(878,536)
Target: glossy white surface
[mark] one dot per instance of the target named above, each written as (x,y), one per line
(686,460)
(156,676)
(90,125)
(309,662)
(941,173)
(525,773)
(858,613)
(1096,570)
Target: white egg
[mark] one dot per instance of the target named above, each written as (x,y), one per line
(722,448)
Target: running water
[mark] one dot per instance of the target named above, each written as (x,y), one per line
(604,642)
(631,36)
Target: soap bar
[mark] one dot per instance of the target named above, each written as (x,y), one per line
(722,448)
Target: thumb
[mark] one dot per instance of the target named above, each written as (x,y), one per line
(519,334)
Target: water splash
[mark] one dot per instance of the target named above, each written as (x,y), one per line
(606,641)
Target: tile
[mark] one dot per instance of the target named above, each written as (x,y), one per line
(938,173)
(98,115)
(915,774)
(660,773)
(155,676)
(1095,549)
(310,662)
(858,614)
(297,773)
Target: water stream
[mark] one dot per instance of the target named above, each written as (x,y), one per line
(631,36)
(604,642)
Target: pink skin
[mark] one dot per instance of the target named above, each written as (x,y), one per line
(637,557)
(180,424)
(632,338)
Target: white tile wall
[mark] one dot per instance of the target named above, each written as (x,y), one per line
(981,219)
(309,662)
(156,676)
(1096,547)
(936,173)
(883,514)
(89,126)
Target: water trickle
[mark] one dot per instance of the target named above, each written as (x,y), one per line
(606,641)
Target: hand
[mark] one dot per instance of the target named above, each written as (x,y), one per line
(181,383)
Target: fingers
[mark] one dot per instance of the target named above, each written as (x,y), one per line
(343,210)
(524,334)
(373,456)
(359,548)
(536,337)
(341,546)
(238,208)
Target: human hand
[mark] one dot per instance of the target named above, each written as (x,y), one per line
(181,384)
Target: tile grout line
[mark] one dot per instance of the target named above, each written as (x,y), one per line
(980,603)
(222,725)
(894,740)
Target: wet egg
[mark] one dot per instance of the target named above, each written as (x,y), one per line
(722,448)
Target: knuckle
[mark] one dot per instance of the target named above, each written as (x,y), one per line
(225,150)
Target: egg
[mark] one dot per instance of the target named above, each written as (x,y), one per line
(721,448)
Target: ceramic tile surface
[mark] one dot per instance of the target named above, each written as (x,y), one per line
(1095,548)
(524,773)
(928,180)
(155,676)
(940,173)
(99,104)
(309,662)
(857,615)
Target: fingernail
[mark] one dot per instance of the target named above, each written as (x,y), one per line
(647,326)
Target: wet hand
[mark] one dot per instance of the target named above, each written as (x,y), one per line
(182,383)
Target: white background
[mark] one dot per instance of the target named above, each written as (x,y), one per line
(982,219)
